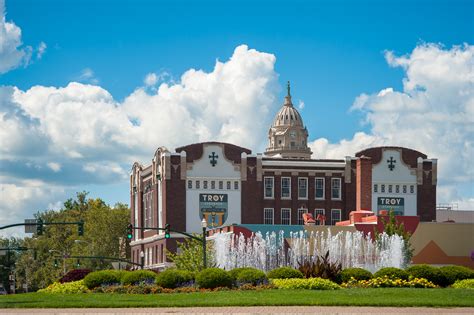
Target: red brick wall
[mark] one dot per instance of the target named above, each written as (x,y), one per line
(364,184)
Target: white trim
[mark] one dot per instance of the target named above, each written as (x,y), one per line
(265,188)
(340,188)
(324,188)
(281,216)
(273,216)
(302,163)
(299,217)
(281,187)
(303,170)
(303,198)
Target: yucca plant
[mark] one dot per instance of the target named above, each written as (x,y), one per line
(321,268)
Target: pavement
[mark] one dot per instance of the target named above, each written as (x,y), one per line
(245,310)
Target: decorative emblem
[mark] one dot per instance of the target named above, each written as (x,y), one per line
(213,158)
(391,163)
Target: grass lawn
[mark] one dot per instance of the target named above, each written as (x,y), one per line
(356,297)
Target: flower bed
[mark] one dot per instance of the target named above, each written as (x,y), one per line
(387,282)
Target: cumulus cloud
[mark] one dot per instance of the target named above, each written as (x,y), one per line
(150,79)
(12,52)
(41,50)
(433,114)
(79,134)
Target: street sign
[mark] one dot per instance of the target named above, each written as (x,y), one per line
(119,265)
(3,252)
(30,225)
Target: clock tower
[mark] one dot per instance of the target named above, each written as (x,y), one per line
(288,137)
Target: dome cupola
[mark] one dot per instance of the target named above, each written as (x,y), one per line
(288,136)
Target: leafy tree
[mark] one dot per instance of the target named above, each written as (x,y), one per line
(8,259)
(189,255)
(393,228)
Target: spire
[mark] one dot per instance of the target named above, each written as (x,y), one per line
(288,96)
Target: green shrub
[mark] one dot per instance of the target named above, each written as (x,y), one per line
(464,284)
(173,278)
(309,284)
(455,273)
(387,282)
(284,273)
(67,287)
(251,276)
(211,278)
(103,277)
(392,273)
(139,276)
(429,273)
(236,271)
(356,273)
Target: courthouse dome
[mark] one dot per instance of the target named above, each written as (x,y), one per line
(288,114)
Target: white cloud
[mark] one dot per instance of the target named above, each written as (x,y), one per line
(12,52)
(150,79)
(300,104)
(80,133)
(433,114)
(87,76)
(41,50)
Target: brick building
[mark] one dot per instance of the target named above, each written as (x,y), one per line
(227,184)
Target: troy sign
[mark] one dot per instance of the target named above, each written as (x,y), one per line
(397,205)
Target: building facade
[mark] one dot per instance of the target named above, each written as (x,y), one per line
(228,184)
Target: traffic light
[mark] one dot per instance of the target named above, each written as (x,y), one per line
(167,230)
(80,228)
(78,263)
(130,231)
(56,264)
(39,227)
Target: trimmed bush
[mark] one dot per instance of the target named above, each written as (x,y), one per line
(284,273)
(356,273)
(464,284)
(103,278)
(392,273)
(309,284)
(67,287)
(251,276)
(173,278)
(75,275)
(455,273)
(236,271)
(139,276)
(211,278)
(386,282)
(429,273)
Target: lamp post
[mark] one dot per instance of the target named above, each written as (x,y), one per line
(142,259)
(204,227)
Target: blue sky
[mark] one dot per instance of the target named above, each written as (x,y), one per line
(332,52)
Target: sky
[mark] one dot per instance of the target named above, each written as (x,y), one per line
(89,87)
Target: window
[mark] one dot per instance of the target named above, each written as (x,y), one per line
(190,184)
(301,211)
(268,216)
(268,182)
(319,183)
(228,185)
(286,187)
(205,184)
(213,184)
(397,189)
(376,188)
(404,189)
(286,216)
(198,184)
(412,189)
(236,185)
(221,184)
(335,216)
(302,188)
(148,207)
(390,188)
(382,188)
(316,213)
(335,188)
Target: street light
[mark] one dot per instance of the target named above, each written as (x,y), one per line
(142,258)
(204,227)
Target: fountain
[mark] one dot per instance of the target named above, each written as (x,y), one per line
(270,251)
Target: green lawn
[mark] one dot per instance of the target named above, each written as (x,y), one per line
(355,297)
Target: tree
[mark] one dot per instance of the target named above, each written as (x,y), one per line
(393,228)
(189,255)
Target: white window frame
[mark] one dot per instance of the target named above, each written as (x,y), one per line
(283,210)
(336,179)
(265,187)
(289,187)
(265,212)
(148,209)
(316,188)
(333,222)
(318,211)
(300,212)
(306,188)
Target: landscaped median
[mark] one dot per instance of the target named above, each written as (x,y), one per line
(416,286)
